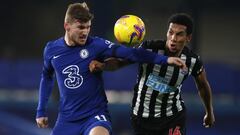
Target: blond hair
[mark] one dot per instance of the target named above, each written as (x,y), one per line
(79,11)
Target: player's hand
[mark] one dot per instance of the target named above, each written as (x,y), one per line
(178,62)
(208,120)
(96,66)
(42,122)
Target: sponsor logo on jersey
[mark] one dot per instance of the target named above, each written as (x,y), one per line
(159,84)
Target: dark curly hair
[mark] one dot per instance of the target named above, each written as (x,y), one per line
(183,19)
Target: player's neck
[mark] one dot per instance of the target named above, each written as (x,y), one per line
(172,54)
(68,41)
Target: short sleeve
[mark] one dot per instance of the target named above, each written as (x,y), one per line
(198,67)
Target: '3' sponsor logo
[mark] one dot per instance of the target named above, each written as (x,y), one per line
(74,79)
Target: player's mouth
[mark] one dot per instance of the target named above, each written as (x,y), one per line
(83,37)
(82,40)
(173,47)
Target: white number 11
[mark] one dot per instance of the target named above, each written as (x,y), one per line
(101,118)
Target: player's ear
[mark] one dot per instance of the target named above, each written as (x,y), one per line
(66,26)
(189,37)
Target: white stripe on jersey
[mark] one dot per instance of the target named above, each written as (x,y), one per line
(146,102)
(158,105)
(169,73)
(169,104)
(181,76)
(178,103)
(193,62)
(141,83)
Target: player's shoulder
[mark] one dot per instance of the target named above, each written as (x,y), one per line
(54,43)
(154,44)
(100,42)
(98,39)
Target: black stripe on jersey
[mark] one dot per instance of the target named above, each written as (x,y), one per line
(174,76)
(188,64)
(163,70)
(152,103)
(164,105)
(174,107)
(135,95)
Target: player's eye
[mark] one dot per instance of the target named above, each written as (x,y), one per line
(181,33)
(83,27)
(170,32)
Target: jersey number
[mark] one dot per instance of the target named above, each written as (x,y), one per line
(74,79)
(101,117)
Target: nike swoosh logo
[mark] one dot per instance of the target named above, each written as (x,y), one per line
(54,57)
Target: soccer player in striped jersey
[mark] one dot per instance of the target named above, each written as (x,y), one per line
(157,106)
(83,105)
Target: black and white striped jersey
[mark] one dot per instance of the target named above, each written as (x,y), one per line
(157,92)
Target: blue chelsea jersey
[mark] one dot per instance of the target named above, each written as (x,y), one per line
(82,92)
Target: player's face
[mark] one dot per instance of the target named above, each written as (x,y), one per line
(78,32)
(177,38)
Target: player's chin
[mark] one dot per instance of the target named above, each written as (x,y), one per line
(82,41)
(171,50)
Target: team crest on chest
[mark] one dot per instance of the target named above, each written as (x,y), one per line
(84,53)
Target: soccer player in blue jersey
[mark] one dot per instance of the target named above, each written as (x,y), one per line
(83,105)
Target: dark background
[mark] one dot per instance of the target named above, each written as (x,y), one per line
(27,25)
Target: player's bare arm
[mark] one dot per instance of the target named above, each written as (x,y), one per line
(206,96)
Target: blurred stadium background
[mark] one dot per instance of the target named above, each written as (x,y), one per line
(28,25)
